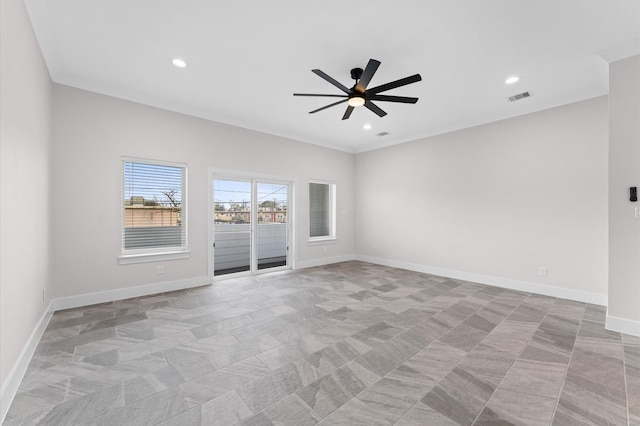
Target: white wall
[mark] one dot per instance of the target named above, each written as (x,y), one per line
(624,172)
(92,132)
(24,187)
(495,202)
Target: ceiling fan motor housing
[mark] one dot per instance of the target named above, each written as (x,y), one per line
(356,73)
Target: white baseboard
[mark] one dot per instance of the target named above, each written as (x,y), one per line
(622,325)
(526,286)
(126,293)
(12,383)
(324,261)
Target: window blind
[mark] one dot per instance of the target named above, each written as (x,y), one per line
(320,210)
(153,206)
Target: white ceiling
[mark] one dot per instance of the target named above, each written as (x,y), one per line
(246,58)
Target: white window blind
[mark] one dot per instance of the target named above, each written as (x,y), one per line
(321,210)
(153,207)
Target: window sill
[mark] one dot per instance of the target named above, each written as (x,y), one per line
(322,241)
(127,259)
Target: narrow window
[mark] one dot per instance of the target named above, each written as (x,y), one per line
(154,219)
(321,211)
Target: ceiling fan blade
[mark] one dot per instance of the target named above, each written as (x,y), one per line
(387,98)
(373,107)
(367,74)
(348,112)
(331,80)
(398,83)
(318,94)
(328,106)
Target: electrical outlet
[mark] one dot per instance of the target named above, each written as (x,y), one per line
(542,271)
(43,294)
(159,269)
(637,212)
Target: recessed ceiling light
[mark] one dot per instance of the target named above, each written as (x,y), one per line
(180,63)
(366,126)
(512,80)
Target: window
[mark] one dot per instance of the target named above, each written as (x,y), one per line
(322,211)
(154,220)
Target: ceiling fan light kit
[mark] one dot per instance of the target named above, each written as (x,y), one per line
(359,95)
(356,101)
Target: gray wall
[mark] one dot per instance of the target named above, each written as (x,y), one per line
(624,172)
(91,132)
(498,200)
(25,114)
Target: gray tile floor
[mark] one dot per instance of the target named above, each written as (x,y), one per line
(351,344)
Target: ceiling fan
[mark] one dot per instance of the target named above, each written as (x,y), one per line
(359,95)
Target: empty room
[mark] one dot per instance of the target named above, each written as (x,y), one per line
(332,213)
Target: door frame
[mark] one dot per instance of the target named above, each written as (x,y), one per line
(222,174)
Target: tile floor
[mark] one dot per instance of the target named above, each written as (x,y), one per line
(345,344)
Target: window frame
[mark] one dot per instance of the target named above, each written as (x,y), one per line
(152,254)
(332,213)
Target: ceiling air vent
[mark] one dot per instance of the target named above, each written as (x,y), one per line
(519,96)
(382,134)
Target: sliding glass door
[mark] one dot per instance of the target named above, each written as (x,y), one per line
(272,241)
(232,226)
(250,225)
